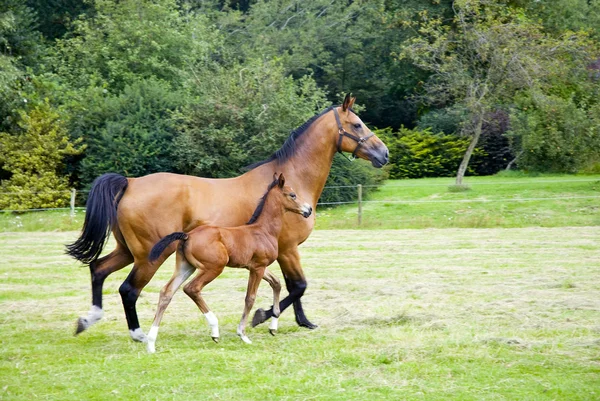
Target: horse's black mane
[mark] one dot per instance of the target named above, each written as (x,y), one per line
(261,203)
(289,146)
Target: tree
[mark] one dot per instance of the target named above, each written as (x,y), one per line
(489,53)
(35,159)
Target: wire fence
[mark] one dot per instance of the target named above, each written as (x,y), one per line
(73,195)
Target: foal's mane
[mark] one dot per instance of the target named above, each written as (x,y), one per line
(261,203)
(289,146)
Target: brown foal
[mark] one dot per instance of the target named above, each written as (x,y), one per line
(208,249)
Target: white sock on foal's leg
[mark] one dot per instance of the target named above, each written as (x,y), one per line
(152,335)
(213,322)
(273,325)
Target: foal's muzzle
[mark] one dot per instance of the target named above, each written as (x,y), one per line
(306,210)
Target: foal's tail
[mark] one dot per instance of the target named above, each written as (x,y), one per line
(161,245)
(100,217)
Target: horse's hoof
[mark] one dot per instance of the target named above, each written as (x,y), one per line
(260,316)
(308,325)
(215,339)
(82,324)
(138,335)
(273,332)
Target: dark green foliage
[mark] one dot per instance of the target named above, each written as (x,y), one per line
(241,115)
(554,134)
(419,154)
(55,16)
(131,133)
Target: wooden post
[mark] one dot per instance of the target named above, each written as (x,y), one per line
(359,187)
(73,193)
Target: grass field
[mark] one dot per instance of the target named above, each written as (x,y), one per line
(432,314)
(505,200)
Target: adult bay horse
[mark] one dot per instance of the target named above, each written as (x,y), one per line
(208,249)
(140,211)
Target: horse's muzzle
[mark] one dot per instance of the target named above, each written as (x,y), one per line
(306,210)
(380,157)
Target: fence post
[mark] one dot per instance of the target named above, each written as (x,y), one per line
(359,188)
(73,193)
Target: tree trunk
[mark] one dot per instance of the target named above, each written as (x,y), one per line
(462,169)
(510,164)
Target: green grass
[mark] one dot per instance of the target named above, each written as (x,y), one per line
(505,200)
(434,314)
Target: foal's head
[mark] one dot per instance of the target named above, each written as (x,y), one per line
(285,196)
(290,201)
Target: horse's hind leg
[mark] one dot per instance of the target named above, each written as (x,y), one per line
(99,270)
(130,290)
(259,316)
(183,270)
(256,275)
(193,289)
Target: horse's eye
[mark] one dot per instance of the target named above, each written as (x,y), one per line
(357,125)
(293,195)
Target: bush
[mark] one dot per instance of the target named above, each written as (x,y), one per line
(419,154)
(554,134)
(34,157)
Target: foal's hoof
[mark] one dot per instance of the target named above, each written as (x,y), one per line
(215,339)
(82,324)
(273,332)
(260,316)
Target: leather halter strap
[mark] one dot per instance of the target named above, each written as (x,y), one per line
(360,140)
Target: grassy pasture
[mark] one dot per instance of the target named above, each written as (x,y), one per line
(504,200)
(433,314)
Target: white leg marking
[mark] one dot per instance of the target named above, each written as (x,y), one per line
(152,334)
(94,315)
(137,335)
(243,336)
(274,323)
(213,322)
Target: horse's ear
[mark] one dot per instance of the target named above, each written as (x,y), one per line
(281,180)
(348,102)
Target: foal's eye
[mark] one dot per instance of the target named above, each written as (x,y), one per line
(293,195)
(357,125)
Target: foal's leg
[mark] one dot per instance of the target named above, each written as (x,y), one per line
(99,270)
(183,270)
(289,261)
(273,281)
(256,275)
(193,289)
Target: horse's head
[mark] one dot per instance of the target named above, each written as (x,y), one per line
(356,138)
(290,201)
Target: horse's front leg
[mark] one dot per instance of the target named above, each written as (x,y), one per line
(289,261)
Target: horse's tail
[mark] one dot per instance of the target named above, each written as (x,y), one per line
(161,245)
(100,217)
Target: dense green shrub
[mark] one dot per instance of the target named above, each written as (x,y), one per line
(418,154)
(131,133)
(239,115)
(554,134)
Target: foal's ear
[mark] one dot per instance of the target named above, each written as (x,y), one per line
(348,102)
(281,180)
